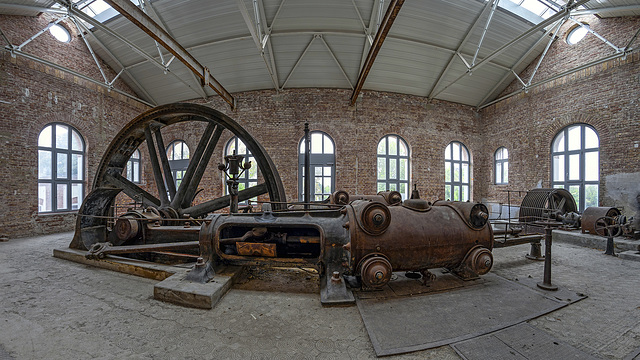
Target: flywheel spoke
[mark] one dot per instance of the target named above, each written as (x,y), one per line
(168,175)
(155,164)
(223,202)
(132,190)
(187,180)
(202,166)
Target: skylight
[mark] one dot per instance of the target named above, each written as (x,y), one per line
(534,10)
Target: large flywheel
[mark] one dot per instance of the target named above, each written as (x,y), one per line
(93,224)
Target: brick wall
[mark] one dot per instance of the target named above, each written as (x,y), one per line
(34,95)
(605,96)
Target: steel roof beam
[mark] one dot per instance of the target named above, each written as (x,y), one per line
(117,61)
(336,60)
(559,15)
(75,73)
(486,8)
(512,69)
(564,73)
(381,34)
(31,8)
(267,42)
(144,22)
(255,31)
(606,10)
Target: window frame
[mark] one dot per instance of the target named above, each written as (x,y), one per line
(177,165)
(244,179)
(68,181)
(387,181)
(316,160)
(567,183)
(501,162)
(452,184)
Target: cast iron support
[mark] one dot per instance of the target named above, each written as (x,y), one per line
(536,252)
(307,166)
(548,229)
(610,247)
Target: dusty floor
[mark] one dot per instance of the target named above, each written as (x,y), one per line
(56,309)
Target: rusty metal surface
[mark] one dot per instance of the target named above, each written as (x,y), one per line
(591,214)
(256,249)
(544,204)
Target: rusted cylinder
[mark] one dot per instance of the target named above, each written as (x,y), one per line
(591,214)
(126,228)
(415,238)
(385,197)
(542,204)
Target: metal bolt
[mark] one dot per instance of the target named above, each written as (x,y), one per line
(335,278)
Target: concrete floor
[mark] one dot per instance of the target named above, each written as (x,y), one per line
(56,309)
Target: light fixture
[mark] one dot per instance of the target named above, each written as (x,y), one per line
(60,33)
(578,33)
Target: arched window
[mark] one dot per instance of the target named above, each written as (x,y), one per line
(322,164)
(250,177)
(178,155)
(393,165)
(133,167)
(501,165)
(60,168)
(456,172)
(575,158)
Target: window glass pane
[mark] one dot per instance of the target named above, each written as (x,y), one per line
(590,195)
(253,170)
(185,151)
(326,171)
(62,137)
(465,193)
(231,147)
(316,143)
(499,154)
(382,168)
(591,168)
(465,173)
(465,154)
(382,146)
(171,152)
(447,192)
(404,165)
(318,185)
(590,138)
(403,148)
(574,167)
(317,170)
(574,138)
(558,168)
(44,197)
(558,142)
(498,173)
(456,151)
(505,173)
(447,152)
(136,172)
(575,192)
(456,193)
(393,187)
(447,171)
(61,169)
(393,145)
(241,186)
(393,168)
(382,187)
(327,185)
(128,172)
(505,153)
(403,190)
(61,195)
(456,172)
(76,196)
(76,167)
(44,164)
(45,137)
(328,145)
(135,155)
(242,148)
(76,141)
